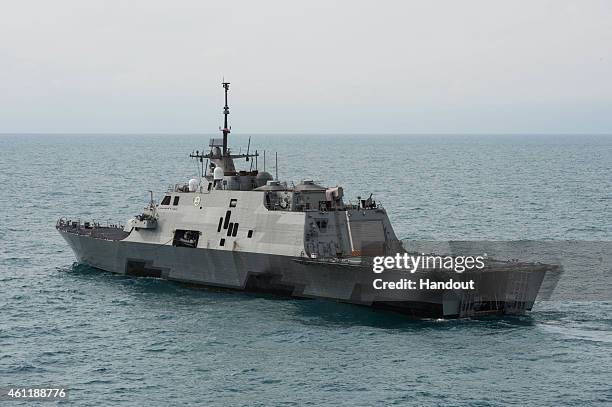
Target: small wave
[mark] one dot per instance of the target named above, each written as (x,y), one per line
(580,334)
(585,229)
(25,368)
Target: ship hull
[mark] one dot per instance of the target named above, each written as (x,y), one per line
(297,277)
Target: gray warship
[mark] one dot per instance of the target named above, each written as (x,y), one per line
(246,230)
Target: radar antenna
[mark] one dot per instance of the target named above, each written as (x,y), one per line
(223,158)
(226,129)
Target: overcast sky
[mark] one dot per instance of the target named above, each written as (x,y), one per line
(309,66)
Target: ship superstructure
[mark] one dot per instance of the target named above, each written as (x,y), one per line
(246,230)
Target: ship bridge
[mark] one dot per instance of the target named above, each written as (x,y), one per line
(218,172)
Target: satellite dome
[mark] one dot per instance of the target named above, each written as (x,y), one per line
(193,185)
(262,178)
(218,174)
(308,185)
(272,186)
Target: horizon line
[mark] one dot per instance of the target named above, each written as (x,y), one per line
(301,134)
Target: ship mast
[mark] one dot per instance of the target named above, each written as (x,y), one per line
(226,129)
(219,154)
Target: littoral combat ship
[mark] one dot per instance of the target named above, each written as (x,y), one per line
(246,230)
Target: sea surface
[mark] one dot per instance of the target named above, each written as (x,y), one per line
(114,340)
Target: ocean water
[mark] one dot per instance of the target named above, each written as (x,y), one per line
(114,340)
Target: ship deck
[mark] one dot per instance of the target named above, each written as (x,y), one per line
(94,230)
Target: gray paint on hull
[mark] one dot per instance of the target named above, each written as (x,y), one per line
(298,277)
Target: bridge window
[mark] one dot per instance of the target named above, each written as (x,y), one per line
(166,200)
(176,200)
(235,231)
(250,234)
(222,242)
